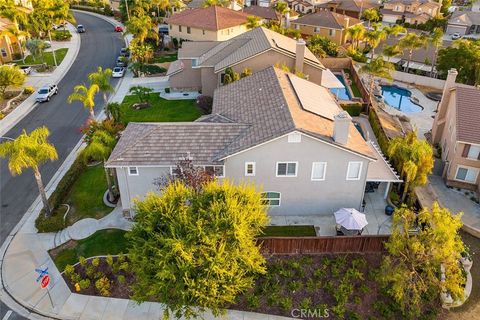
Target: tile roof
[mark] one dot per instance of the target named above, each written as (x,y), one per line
(262,12)
(466,18)
(351,5)
(211,18)
(468,114)
(326,19)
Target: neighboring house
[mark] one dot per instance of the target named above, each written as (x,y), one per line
(201,65)
(9,45)
(464,22)
(303,6)
(410,11)
(326,23)
(352,8)
(456,131)
(207,24)
(476,6)
(265,13)
(195,4)
(283,133)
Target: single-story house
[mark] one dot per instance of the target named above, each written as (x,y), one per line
(464,22)
(283,133)
(207,24)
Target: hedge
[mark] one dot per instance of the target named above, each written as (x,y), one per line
(92,9)
(353,109)
(378,131)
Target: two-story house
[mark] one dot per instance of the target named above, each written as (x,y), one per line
(213,23)
(464,22)
(9,44)
(456,131)
(351,8)
(327,24)
(410,11)
(283,133)
(201,65)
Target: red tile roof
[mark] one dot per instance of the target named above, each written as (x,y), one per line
(211,18)
(468,114)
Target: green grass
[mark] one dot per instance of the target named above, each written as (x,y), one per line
(86,195)
(60,54)
(161,110)
(353,86)
(165,58)
(103,242)
(289,231)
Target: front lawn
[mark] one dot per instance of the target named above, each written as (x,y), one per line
(86,196)
(165,58)
(289,231)
(48,56)
(103,242)
(161,110)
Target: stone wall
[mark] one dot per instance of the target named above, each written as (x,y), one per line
(418,80)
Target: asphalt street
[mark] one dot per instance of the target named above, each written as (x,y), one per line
(100,46)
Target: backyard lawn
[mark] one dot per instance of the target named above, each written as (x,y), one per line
(60,54)
(161,110)
(353,86)
(86,196)
(103,242)
(165,58)
(289,231)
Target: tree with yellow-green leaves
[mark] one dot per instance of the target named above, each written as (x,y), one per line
(195,250)
(411,272)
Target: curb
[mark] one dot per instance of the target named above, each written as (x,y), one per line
(16,118)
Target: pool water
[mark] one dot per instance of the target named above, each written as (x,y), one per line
(341,93)
(399,98)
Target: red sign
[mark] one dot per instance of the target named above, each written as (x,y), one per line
(45,281)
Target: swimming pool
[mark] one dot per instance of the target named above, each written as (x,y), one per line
(341,93)
(399,98)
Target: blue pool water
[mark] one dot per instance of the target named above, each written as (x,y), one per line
(341,94)
(399,98)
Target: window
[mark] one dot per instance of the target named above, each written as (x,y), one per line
(287,169)
(194,62)
(474,152)
(271,198)
(354,170)
(216,171)
(317,29)
(132,171)
(249,169)
(294,137)
(179,28)
(222,78)
(319,170)
(188,30)
(331,32)
(297,27)
(203,32)
(466,174)
(4,52)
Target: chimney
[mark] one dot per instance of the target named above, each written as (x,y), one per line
(287,19)
(299,55)
(450,82)
(443,104)
(341,127)
(347,22)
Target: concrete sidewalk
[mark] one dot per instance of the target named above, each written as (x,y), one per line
(37,80)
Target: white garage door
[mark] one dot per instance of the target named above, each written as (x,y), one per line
(451,29)
(390,19)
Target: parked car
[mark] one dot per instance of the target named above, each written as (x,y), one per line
(456,36)
(118,29)
(80,28)
(46,92)
(122,61)
(118,72)
(59,26)
(26,69)
(125,52)
(163,29)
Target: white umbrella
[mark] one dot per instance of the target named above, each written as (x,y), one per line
(350,219)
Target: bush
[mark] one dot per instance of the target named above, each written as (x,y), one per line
(121,279)
(205,104)
(378,131)
(96,262)
(103,286)
(84,284)
(2,115)
(28,90)
(286,303)
(52,224)
(353,109)
(61,35)
(357,55)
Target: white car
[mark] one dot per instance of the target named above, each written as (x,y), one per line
(118,72)
(456,36)
(46,92)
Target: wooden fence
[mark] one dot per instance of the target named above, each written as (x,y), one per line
(322,245)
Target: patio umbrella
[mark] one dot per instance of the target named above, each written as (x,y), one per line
(350,219)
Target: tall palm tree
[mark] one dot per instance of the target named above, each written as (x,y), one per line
(142,28)
(394,30)
(253,22)
(436,40)
(412,42)
(163,5)
(357,34)
(373,38)
(30,151)
(377,67)
(86,96)
(102,79)
(370,15)
(282,8)
(99,149)
(391,51)
(14,32)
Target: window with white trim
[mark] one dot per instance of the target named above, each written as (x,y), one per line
(216,171)
(466,174)
(317,29)
(319,170)
(271,199)
(354,170)
(179,28)
(473,152)
(331,32)
(132,171)
(294,137)
(249,169)
(287,169)
(189,30)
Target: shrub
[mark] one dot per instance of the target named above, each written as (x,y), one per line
(286,303)
(98,275)
(109,260)
(294,286)
(306,303)
(52,224)
(205,103)
(28,90)
(103,286)
(83,261)
(2,115)
(357,55)
(61,35)
(75,277)
(69,270)
(353,109)
(84,284)
(378,131)
(253,301)
(95,262)
(121,279)
(90,271)
(312,285)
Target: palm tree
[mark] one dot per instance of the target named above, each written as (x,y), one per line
(394,30)
(436,40)
(253,22)
(356,33)
(114,111)
(142,28)
(411,42)
(163,5)
(373,38)
(391,51)
(30,151)
(86,96)
(99,149)
(377,67)
(282,8)
(370,15)
(36,48)
(102,79)
(14,32)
